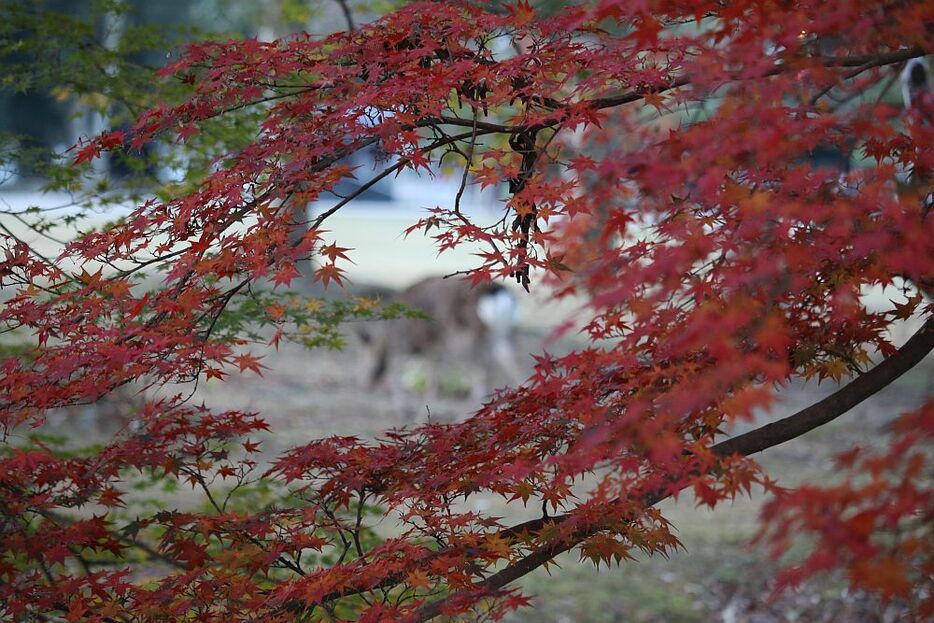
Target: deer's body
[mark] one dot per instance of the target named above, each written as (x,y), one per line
(468,329)
(103,417)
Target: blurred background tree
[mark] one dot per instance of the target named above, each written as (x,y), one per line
(70,69)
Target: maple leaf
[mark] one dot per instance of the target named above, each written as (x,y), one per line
(275,311)
(91,279)
(520,13)
(110,497)
(188,552)
(285,275)
(333,252)
(185,131)
(328,273)
(250,446)
(418,580)
(87,153)
(214,373)
(835,369)
(497,546)
(656,100)
(516,600)
(202,244)
(647,30)
(904,311)
(276,338)
(247,361)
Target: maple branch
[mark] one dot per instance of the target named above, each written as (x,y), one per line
(123,537)
(489,127)
(864,62)
(356,193)
(752,442)
(386,172)
(836,404)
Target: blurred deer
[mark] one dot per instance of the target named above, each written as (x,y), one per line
(469,329)
(100,418)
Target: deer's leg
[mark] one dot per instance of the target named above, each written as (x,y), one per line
(373,348)
(503,355)
(498,363)
(479,369)
(402,400)
(480,385)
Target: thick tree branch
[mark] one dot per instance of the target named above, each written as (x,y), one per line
(863,62)
(866,61)
(836,404)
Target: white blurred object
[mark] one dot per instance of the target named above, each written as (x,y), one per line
(915,84)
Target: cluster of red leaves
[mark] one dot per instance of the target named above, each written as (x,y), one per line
(714,262)
(877,524)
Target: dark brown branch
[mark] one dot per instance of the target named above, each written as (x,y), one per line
(600,103)
(862,62)
(865,62)
(153,553)
(836,404)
